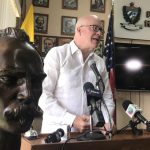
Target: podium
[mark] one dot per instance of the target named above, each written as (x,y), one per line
(123,141)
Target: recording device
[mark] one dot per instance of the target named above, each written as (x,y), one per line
(31,134)
(91,92)
(55,136)
(96,116)
(93,96)
(101,87)
(133,111)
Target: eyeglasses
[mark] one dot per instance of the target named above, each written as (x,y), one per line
(95,28)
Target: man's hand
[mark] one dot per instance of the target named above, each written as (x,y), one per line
(82,123)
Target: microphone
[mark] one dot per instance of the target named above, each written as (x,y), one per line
(99,79)
(133,111)
(93,95)
(55,136)
(91,92)
(92,65)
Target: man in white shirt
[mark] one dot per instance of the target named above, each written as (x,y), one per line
(64,100)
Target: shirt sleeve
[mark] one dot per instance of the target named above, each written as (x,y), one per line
(53,110)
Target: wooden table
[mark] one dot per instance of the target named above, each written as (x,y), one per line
(124,141)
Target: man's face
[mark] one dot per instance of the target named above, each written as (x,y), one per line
(40,21)
(68,23)
(21,75)
(89,36)
(48,44)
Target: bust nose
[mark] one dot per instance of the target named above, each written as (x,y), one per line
(23,92)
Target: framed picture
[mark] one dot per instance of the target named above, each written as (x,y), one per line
(70,4)
(98,6)
(47,43)
(40,3)
(40,23)
(68,25)
(103,27)
(64,40)
(100,48)
(38,43)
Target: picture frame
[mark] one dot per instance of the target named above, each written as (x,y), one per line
(97,6)
(70,4)
(68,25)
(38,43)
(103,27)
(40,23)
(40,3)
(48,42)
(100,48)
(64,40)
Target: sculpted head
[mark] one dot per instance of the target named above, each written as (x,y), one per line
(21,75)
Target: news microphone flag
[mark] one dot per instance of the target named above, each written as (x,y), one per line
(131,110)
(28,24)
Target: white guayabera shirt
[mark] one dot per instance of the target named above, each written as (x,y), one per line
(63,96)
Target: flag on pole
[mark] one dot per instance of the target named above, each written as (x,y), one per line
(108,56)
(28,24)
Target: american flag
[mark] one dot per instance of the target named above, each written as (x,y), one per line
(108,56)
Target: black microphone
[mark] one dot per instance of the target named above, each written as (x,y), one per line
(133,111)
(55,136)
(92,65)
(91,92)
(93,95)
(99,79)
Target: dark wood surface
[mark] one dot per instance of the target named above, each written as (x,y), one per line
(122,141)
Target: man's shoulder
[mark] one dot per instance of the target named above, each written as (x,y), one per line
(59,52)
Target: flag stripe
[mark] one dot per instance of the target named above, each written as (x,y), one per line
(108,56)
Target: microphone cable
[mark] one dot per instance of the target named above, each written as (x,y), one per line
(64,144)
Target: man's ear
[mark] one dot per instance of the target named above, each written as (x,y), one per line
(79,30)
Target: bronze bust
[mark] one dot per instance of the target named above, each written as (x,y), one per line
(21,76)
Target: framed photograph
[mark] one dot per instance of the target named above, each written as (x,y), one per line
(100,48)
(38,43)
(40,3)
(40,23)
(98,6)
(47,43)
(70,4)
(103,27)
(68,25)
(64,40)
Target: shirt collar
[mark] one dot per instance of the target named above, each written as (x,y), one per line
(74,48)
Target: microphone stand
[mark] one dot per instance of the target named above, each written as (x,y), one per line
(91,135)
(100,80)
(133,125)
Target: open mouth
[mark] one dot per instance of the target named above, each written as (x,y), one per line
(96,40)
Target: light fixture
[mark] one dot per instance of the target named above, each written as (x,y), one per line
(133,64)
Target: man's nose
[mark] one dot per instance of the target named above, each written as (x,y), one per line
(99,33)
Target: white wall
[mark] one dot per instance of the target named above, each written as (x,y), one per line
(119,31)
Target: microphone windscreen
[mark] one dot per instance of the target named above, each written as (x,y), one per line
(126,103)
(61,132)
(88,86)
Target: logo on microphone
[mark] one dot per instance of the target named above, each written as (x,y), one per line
(131,110)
